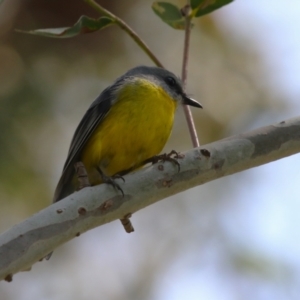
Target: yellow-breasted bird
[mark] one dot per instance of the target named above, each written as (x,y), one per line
(129,123)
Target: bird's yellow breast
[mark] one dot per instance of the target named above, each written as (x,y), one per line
(136,128)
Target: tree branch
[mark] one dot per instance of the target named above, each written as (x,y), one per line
(33,239)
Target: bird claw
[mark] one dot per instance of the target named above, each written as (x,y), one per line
(118,176)
(111,180)
(166,157)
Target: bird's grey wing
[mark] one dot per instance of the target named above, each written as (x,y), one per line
(94,115)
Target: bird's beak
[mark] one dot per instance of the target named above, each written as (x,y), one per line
(191,102)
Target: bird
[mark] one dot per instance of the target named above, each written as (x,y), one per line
(127,124)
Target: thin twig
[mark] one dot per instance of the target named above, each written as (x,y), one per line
(186,109)
(125,27)
(127,224)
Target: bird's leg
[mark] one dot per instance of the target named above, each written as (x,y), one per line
(111,180)
(166,157)
(82,175)
(118,176)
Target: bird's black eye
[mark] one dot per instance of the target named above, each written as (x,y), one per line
(170,81)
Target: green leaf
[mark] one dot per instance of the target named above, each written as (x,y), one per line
(203,7)
(82,26)
(170,14)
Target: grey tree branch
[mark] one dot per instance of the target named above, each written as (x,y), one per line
(33,239)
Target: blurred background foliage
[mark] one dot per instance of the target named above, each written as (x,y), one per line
(45,87)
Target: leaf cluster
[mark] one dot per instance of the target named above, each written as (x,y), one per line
(169,13)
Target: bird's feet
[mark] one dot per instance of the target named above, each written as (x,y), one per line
(173,157)
(111,180)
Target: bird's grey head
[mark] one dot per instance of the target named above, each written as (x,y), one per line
(164,78)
